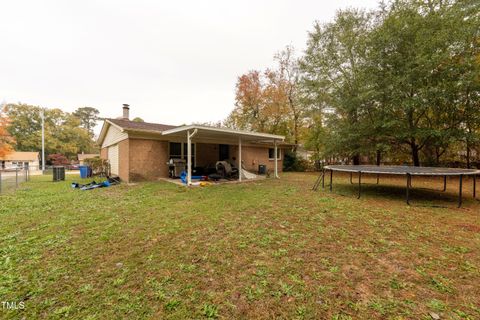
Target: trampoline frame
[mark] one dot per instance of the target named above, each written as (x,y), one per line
(407,171)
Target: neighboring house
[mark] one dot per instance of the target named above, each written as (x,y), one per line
(20,159)
(83,156)
(304,154)
(141,150)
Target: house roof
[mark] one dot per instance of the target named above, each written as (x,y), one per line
(132,126)
(140,126)
(21,156)
(205,132)
(83,156)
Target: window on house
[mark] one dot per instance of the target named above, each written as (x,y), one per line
(271,154)
(16,164)
(177,152)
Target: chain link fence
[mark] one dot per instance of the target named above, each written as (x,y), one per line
(10,179)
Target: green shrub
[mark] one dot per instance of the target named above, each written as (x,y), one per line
(291,162)
(99,166)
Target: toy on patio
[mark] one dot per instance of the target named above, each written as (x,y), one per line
(183,177)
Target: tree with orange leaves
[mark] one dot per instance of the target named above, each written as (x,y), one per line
(6,140)
(269,101)
(249,113)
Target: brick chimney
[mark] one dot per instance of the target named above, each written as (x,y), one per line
(126,112)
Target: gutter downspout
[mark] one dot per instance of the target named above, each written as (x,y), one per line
(240,159)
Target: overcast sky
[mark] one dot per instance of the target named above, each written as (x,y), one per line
(174,62)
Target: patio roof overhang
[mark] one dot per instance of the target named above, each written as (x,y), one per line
(213,134)
(204,133)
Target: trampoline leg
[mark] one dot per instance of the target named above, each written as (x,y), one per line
(408,189)
(351,174)
(378,178)
(474,186)
(323,179)
(444,183)
(460,181)
(317,182)
(359,184)
(331,178)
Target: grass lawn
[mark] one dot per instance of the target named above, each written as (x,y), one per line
(268,249)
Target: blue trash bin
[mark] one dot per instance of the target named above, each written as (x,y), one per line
(83,171)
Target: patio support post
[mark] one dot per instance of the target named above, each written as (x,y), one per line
(276,158)
(189,156)
(189,159)
(239,158)
(460,182)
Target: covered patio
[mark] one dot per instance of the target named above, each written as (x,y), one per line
(245,142)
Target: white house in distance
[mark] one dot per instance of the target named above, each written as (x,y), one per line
(20,159)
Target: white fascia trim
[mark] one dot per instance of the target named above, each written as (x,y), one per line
(224,130)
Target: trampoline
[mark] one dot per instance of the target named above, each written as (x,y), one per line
(406,171)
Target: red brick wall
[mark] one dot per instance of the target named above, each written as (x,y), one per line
(253,156)
(143,159)
(147,159)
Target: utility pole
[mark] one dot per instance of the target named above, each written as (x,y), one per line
(42,114)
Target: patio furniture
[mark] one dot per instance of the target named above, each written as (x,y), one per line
(226,170)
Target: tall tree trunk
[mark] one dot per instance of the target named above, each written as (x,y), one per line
(467,143)
(415,156)
(379,157)
(356,159)
(468,156)
(295,132)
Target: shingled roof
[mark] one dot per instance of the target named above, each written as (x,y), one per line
(140,126)
(20,156)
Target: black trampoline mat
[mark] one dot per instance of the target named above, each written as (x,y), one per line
(403,170)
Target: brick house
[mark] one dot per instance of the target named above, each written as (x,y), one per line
(140,150)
